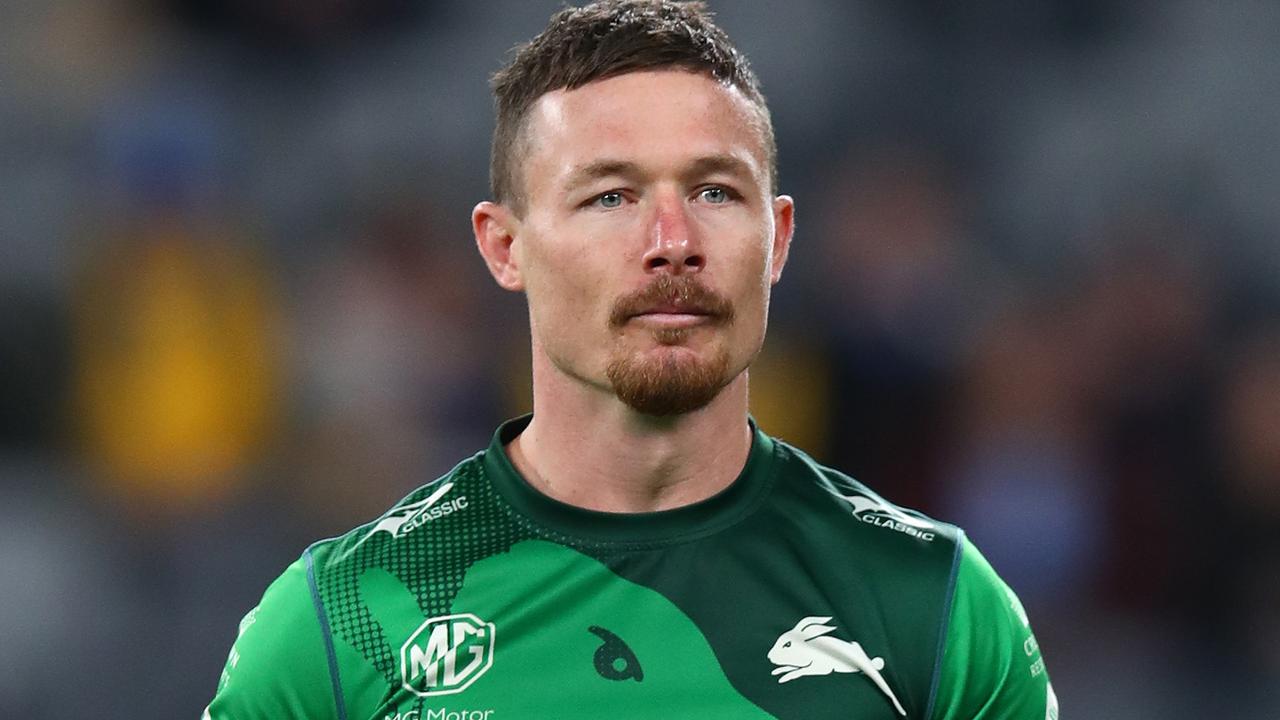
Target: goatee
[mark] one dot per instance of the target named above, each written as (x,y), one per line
(673,382)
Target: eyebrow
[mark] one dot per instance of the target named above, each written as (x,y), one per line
(704,165)
(727,164)
(592,171)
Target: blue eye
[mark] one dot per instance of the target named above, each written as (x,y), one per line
(610,200)
(715,195)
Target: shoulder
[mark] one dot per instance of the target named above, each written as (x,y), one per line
(991,666)
(858,535)
(986,663)
(830,492)
(293,648)
(277,666)
(439,498)
(891,571)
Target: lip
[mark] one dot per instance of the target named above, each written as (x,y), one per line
(673,308)
(672,319)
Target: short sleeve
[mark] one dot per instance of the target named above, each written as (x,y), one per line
(991,666)
(279,664)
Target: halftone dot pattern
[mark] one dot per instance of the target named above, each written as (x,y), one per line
(431,560)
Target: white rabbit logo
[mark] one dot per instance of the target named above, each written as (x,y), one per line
(804,650)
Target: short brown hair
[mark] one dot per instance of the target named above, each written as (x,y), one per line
(603,40)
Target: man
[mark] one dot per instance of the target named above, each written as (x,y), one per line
(637,548)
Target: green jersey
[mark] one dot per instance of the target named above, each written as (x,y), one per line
(794,593)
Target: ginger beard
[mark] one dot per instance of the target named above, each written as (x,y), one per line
(661,382)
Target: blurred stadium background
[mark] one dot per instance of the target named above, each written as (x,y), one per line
(1034,291)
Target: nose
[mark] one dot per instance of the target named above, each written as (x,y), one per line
(674,246)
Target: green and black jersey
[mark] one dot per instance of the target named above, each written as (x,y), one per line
(794,593)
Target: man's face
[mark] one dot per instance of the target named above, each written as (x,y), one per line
(650,239)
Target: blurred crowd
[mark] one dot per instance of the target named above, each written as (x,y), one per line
(1035,291)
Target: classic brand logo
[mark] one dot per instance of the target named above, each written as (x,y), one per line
(402,520)
(446,654)
(805,650)
(877,512)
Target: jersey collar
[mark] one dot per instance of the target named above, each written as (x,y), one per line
(668,526)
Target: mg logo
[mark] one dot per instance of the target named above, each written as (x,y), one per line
(446,654)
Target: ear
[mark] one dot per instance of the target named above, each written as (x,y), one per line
(812,627)
(814,631)
(784,228)
(495,229)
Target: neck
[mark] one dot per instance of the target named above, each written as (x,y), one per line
(586,448)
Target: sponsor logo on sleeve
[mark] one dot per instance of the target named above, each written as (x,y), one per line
(1030,647)
(807,649)
(247,621)
(446,654)
(233,657)
(875,511)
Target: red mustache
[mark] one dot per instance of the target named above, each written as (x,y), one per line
(667,293)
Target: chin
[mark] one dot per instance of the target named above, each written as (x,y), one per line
(669,380)
(669,337)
